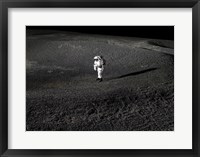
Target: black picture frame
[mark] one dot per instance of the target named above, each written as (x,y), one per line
(5,4)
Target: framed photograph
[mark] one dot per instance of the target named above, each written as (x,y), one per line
(99,78)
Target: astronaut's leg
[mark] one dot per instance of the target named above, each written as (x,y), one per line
(100,71)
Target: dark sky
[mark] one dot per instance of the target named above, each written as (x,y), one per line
(156,32)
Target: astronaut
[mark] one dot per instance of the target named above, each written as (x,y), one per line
(99,63)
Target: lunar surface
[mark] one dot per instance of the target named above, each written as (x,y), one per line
(62,94)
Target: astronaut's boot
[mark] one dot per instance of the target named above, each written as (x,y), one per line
(100,80)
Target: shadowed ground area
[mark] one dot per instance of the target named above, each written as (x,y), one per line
(134,73)
(62,94)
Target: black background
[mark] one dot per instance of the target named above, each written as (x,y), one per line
(156,32)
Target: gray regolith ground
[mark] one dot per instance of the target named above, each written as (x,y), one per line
(137,93)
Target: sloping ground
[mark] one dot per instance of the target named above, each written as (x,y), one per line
(137,92)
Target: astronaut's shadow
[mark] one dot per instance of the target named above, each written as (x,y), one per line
(132,74)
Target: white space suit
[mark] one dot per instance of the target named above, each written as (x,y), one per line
(99,66)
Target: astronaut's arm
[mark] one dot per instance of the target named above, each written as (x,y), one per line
(95,67)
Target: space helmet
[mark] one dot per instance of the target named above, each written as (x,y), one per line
(97,57)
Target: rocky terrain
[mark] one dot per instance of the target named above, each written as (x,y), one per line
(62,94)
